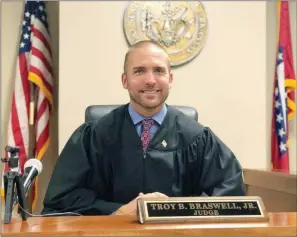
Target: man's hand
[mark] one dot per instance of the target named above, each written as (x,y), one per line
(131,207)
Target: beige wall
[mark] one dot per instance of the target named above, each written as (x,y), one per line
(230,82)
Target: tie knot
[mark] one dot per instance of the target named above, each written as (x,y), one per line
(147,124)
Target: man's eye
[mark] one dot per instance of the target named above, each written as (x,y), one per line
(160,70)
(138,71)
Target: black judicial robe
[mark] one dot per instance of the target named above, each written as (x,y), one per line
(103,167)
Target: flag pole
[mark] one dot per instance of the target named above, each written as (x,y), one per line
(31,120)
(32,103)
(31,136)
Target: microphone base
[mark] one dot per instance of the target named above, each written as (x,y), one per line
(12,180)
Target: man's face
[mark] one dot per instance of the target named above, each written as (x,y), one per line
(147,77)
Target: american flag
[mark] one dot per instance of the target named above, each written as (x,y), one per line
(34,67)
(284,93)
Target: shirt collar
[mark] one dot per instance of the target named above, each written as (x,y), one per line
(158,117)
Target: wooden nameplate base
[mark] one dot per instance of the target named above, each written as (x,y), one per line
(201,209)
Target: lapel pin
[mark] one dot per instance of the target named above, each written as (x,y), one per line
(164,143)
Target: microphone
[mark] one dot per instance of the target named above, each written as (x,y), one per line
(32,168)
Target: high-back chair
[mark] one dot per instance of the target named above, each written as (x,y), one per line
(95,112)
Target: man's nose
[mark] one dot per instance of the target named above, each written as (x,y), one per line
(150,79)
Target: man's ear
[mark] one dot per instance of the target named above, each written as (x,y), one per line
(124,80)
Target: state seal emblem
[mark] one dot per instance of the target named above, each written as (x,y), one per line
(180,27)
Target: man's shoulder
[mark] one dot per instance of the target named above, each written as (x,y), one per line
(186,126)
(182,119)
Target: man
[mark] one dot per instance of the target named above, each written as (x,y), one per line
(144,148)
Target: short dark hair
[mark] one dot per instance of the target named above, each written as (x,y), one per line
(138,45)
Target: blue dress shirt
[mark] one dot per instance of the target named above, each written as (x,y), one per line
(137,118)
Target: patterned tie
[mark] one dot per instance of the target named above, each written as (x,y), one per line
(145,135)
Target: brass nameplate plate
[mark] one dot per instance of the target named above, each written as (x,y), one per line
(201,209)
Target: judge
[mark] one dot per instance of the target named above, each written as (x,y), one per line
(143,148)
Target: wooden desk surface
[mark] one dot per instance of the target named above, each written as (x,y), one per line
(281,224)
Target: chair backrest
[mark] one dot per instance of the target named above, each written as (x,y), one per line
(95,112)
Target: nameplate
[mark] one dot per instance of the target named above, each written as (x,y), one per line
(201,209)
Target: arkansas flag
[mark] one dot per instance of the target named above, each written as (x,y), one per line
(284,93)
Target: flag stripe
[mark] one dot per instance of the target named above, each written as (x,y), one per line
(39,74)
(42,119)
(282,90)
(18,135)
(40,36)
(22,74)
(39,47)
(41,109)
(20,106)
(39,56)
(41,32)
(36,61)
(43,136)
(40,83)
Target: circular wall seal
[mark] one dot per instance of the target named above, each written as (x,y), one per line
(179,26)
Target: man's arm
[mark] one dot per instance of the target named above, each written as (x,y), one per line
(221,171)
(70,188)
